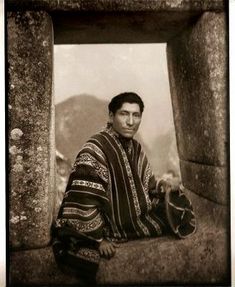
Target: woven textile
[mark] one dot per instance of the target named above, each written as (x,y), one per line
(109,195)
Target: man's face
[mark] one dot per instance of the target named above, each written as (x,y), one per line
(126,120)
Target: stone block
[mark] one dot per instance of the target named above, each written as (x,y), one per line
(201,259)
(118,5)
(206,180)
(31,128)
(208,213)
(37,267)
(198,72)
(136,21)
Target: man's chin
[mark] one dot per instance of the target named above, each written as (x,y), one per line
(127,135)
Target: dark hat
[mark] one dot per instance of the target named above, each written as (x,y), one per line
(180,213)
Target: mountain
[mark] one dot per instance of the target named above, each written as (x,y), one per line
(81,116)
(76,119)
(164,154)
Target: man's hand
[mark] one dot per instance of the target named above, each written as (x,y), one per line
(107,249)
(168,184)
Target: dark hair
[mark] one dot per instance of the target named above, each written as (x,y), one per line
(128,97)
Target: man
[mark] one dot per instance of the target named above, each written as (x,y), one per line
(112,195)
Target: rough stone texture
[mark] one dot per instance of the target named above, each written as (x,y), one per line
(197,61)
(126,27)
(31,131)
(37,267)
(200,259)
(118,5)
(208,213)
(198,79)
(118,21)
(209,181)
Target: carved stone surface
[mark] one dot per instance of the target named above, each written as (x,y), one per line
(207,180)
(209,213)
(197,61)
(118,21)
(37,267)
(198,79)
(118,5)
(202,258)
(108,27)
(31,132)
(197,66)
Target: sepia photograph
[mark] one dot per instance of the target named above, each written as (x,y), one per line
(118,142)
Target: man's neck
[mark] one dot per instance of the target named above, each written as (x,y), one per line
(122,138)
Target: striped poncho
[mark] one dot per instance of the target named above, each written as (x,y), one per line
(109,195)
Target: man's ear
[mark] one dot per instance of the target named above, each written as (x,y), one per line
(111,115)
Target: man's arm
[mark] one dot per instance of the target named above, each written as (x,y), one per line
(86,200)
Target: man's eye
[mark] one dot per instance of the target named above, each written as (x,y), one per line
(123,113)
(137,115)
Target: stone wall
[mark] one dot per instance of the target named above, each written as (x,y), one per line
(198,68)
(31,128)
(199,260)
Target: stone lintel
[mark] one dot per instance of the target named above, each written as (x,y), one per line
(208,181)
(138,27)
(118,5)
(31,128)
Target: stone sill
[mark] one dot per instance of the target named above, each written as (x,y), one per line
(204,258)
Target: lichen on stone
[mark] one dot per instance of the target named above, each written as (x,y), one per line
(16,134)
(18,167)
(45,43)
(19,158)
(174,3)
(39,148)
(38,209)
(23,217)
(15,219)
(13,150)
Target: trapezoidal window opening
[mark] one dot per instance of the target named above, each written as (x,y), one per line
(87,76)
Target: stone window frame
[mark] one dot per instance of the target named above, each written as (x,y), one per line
(216,190)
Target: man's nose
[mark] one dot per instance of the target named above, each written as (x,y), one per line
(130,120)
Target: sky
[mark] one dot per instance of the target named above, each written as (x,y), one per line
(104,70)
